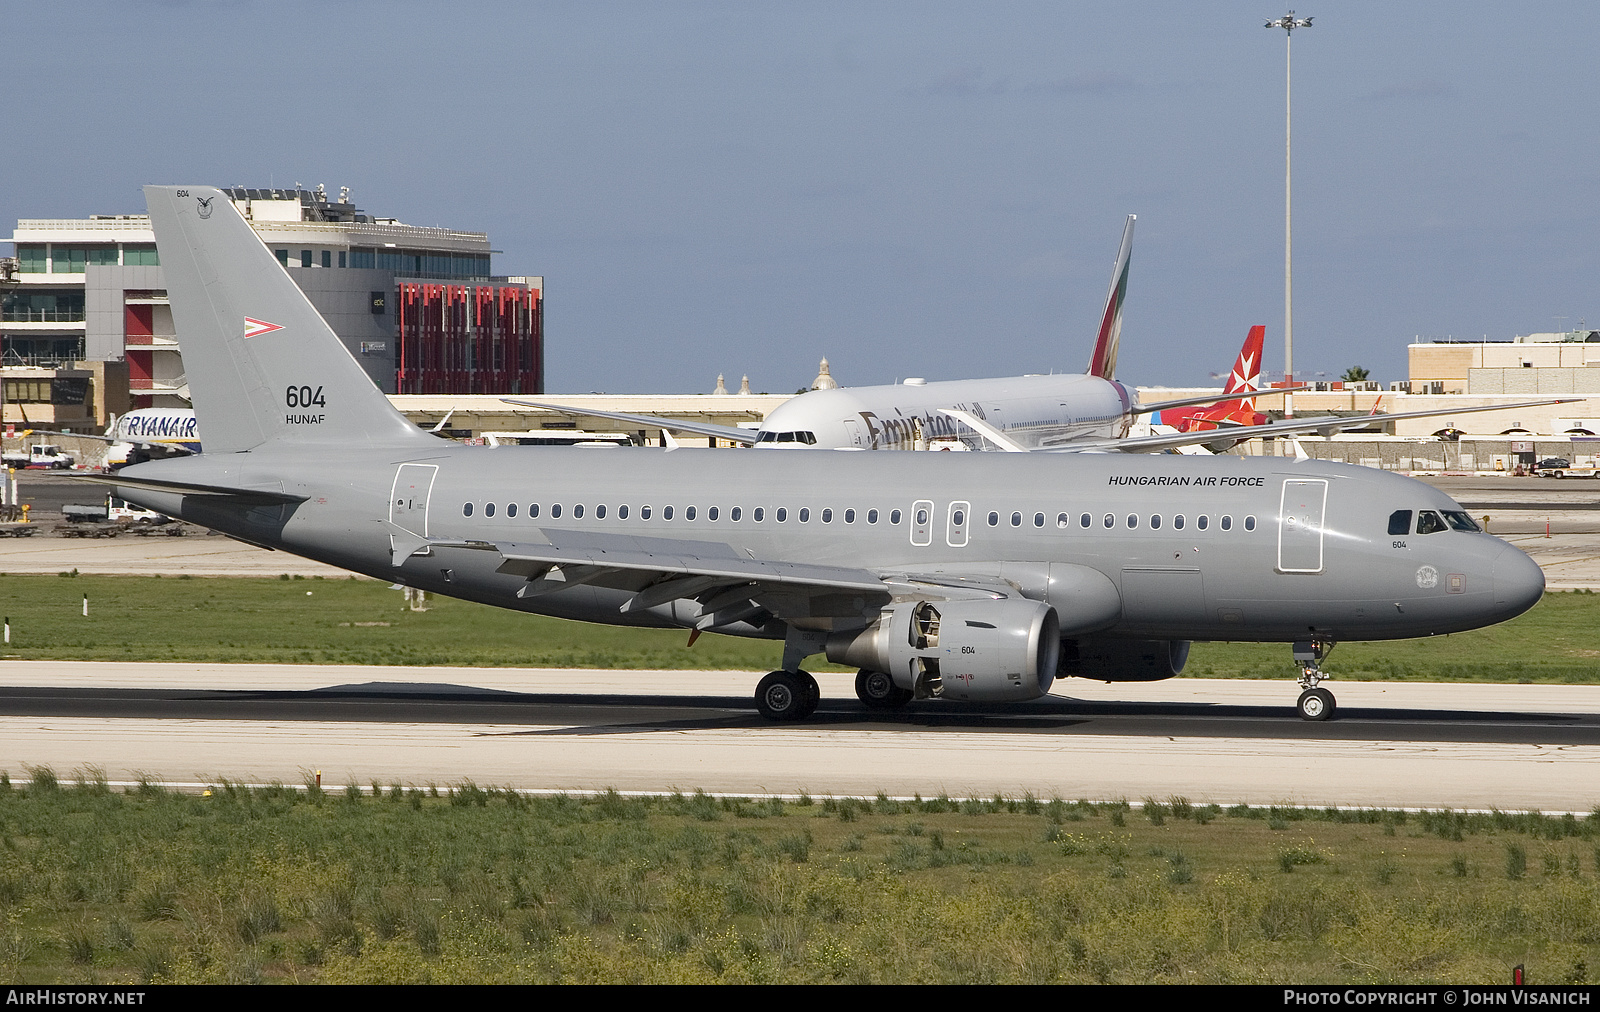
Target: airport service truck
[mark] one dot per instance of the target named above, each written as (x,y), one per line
(46,455)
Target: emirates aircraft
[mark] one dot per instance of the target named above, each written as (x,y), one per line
(1089,411)
(1028,412)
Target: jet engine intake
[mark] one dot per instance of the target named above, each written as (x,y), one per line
(1113,660)
(971,650)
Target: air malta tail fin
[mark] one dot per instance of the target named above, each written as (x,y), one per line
(1243,383)
(1103,363)
(260,361)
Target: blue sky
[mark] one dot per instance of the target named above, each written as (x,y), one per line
(930,189)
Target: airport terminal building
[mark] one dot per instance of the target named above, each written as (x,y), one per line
(419,308)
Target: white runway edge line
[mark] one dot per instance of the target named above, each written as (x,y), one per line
(196,787)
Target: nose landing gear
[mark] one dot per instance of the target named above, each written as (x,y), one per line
(1315,703)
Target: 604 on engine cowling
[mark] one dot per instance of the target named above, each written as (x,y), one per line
(973,650)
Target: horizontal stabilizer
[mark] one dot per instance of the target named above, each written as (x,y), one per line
(189,488)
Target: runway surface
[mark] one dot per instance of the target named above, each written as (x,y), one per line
(1395,744)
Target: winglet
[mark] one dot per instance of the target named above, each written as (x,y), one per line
(1103,363)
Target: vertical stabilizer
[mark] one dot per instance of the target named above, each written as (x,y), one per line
(260,361)
(1239,404)
(1103,363)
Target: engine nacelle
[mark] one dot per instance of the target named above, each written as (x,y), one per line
(973,650)
(1112,660)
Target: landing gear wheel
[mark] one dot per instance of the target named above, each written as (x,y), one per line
(1316,704)
(787,696)
(877,690)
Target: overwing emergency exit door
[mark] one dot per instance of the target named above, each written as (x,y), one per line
(408,500)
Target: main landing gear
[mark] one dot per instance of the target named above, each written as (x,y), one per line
(788,696)
(877,690)
(1315,703)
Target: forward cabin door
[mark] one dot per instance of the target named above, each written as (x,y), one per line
(408,500)
(1300,516)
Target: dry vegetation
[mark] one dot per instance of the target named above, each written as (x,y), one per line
(465,884)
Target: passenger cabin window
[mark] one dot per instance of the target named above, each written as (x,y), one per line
(994,519)
(1110,521)
(1202,521)
(622,512)
(666,512)
(849,516)
(1133,521)
(1085,520)
(1429,522)
(555,510)
(1061,520)
(511,509)
(783,514)
(466,509)
(805,514)
(827,516)
(688,513)
(600,512)
(1177,522)
(1155,521)
(1400,522)
(894,517)
(577,512)
(644,512)
(735,514)
(533,509)
(488,509)
(760,513)
(1249,523)
(1227,523)
(711,514)
(1038,520)
(1016,519)
(872,516)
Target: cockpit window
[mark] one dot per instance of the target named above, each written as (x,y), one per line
(1460,521)
(807,438)
(1428,522)
(1400,522)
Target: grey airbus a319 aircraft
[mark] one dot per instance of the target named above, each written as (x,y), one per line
(958,577)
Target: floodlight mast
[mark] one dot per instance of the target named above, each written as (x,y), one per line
(1288,23)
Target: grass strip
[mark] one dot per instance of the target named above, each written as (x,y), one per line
(396,884)
(359,621)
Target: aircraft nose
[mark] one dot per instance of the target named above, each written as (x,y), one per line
(1518,581)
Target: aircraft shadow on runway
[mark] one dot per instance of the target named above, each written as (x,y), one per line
(588,714)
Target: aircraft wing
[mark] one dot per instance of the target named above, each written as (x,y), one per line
(728,432)
(1325,425)
(985,430)
(1189,402)
(729,584)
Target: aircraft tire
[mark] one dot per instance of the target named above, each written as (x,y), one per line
(876,689)
(787,696)
(1316,704)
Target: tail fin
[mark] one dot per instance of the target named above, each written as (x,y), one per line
(1103,363)
(261,362)
(1245,380)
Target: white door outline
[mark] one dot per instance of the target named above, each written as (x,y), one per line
(408,498)
(922,523)
(957,518)
(1300,516)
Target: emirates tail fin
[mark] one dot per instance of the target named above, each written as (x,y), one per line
(1103,363)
